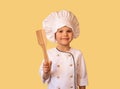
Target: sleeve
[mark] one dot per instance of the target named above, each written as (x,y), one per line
(42,74)
(82,72)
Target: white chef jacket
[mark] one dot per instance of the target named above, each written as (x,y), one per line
(68,69)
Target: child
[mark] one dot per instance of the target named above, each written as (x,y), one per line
(66,69)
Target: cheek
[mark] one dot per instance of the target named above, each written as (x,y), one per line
(57,36)
(71,35)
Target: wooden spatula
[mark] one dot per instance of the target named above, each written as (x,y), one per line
(41,37)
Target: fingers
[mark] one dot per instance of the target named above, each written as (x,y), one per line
(47,66)
(46,70)
(47,63)
(50,63)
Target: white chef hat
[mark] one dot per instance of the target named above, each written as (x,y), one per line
(59,19)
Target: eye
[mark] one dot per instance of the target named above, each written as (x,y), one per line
(60,31)
(69,31)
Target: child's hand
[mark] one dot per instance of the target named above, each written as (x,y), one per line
(47,67)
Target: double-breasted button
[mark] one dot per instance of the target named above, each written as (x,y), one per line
(58,55)
(58,77)
(70,64)
(69,55)
(71,76)
(71,87)
(58,65)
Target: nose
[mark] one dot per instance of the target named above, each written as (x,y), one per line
(65,33)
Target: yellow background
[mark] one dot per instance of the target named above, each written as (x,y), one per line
(20,54)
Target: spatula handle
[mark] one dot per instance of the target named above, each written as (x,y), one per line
(41,41)
(45,54)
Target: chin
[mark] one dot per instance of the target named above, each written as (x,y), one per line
(65,44)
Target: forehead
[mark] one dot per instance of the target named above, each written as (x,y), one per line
(65,28)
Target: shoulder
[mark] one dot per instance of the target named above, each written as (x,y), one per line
(51,51)
(76,51)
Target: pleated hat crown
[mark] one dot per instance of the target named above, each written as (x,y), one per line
(59,19)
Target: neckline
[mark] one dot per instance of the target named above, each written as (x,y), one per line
(64,51)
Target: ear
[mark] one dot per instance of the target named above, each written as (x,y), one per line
(55,36)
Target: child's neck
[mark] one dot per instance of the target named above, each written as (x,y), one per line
(63,48)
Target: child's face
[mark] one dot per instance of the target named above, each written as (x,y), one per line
(64,36)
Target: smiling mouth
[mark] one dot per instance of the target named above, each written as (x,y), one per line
(65,38)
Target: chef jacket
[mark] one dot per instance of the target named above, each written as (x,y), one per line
(68,69)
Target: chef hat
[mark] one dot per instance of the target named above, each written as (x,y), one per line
(59,19)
